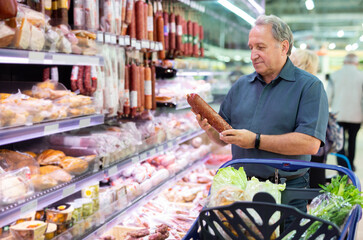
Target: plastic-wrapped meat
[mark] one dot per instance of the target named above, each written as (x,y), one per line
(159,236)
(139,233)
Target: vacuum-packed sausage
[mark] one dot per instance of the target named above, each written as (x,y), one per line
(179,33)
(150,22)
(153,80)
(160,35)
(80,80)
(127,91)
(166,31)
(201,37)
(87,80)
(172,30)
(139,9)
(199,106)
(94,78)
(129,11)
(195,39)
(74,78)
(134,88)
(147,87)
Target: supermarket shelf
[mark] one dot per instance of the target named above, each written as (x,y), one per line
(17,134)
(16,56)
(112,170)
(95,233)
(40,200)
(12,212)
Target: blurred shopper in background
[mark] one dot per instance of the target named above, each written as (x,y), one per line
(277,112)
(306,60)
(346,102)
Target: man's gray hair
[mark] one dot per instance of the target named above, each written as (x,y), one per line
(351,58)
(280,30)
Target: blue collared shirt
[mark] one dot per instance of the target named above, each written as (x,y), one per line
(293,102)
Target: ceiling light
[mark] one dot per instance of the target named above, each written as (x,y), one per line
(354,46)
(361,38)
(348,47)
(257,6)
(340,33)
(303,46)
(309,4)
(237,58)
(332,46)
(237,11)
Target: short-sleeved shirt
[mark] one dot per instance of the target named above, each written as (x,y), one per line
(295,101)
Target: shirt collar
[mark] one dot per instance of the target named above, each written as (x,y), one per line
(287,73)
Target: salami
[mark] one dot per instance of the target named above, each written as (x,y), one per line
(80,80)
(150,22)
(199,106)
(148,88)
(195,39)
(146,10)
(46,74)
(166,31)
(87,80)
(153,80)
(172,31)
(179,34)
(142,89)
(74,78)
(127,91)
(129,11)
(201,37)
(94,79)
(139,9)
(134,88)
(160,35)
(189,46)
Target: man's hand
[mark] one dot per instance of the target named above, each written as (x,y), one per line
(203,123)
(241,137)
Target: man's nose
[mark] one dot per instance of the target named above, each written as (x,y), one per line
(254,55)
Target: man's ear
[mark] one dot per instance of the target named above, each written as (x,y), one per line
(285,47)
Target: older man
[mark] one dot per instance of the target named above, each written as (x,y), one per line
(277,112)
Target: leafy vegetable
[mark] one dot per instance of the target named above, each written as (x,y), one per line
(340,187)
(335,204)
(254,186)
(229,176)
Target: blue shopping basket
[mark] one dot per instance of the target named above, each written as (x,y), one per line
(199,231)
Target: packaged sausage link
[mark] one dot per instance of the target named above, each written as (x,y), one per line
(78,14)
(62,12)
(91,15)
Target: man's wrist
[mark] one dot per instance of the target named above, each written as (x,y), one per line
(257,140)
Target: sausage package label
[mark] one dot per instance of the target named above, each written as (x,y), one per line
(150,24)
(148,87)
(133,99)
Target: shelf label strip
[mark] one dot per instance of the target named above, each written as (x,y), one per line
(69,190)
(36,57)
(112,171)
(29,207)
(50,129)
(84,122)
(135,159)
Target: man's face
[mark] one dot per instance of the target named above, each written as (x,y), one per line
(267,54)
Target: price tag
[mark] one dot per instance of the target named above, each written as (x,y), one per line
(29,207)
(127,40)
(135,159)
(143,156)
(152,152)
(51,129)
(161,47)
(160,149)
(69,190)
(121,40)
(138,45)
(36,57)
(107,38)
(144,44)
(112,171)
(133,42)
(152,45)
(60,58)
(100,37)
(113,39)
(84,122)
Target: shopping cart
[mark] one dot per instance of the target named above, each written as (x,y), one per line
(209,226)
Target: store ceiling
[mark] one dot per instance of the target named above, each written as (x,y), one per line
(320,26)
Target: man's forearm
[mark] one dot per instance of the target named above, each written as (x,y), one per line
(290,144)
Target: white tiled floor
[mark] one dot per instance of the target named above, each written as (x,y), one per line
(359,172)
